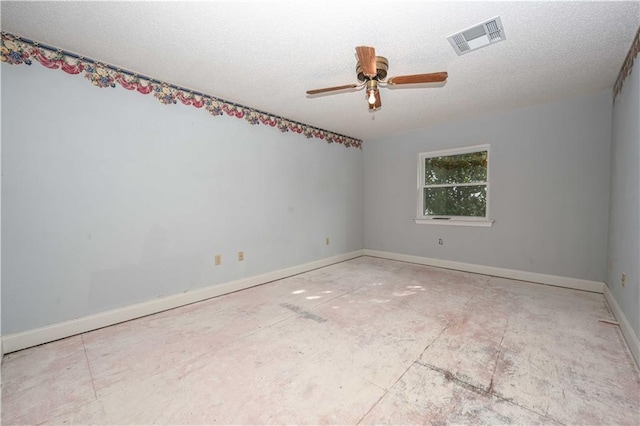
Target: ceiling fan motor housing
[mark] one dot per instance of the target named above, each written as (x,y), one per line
(382,65)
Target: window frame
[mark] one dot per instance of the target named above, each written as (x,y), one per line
(423,219)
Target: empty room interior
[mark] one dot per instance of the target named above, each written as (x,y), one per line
(320,212)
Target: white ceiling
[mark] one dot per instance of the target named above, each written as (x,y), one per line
(266,54)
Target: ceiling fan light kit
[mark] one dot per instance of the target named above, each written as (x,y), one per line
(372,88)
(371,72)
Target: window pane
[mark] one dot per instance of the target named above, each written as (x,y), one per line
(462,168)
(456,201)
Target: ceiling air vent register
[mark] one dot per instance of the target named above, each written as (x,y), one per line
(478,36)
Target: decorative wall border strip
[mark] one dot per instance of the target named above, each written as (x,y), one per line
(17,50)
(627,65)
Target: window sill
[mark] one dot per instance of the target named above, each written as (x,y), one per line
(455,222)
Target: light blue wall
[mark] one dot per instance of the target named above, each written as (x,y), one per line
(110,198)
(1,344)
(624,208)
(549,167)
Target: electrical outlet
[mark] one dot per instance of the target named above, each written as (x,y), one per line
(240,256)
(327,241)
(623,279)
(440,241)
(217,259)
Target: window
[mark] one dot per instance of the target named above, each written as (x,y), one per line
(453,187)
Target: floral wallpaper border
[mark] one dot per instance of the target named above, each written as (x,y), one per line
(17,50)
(627,65)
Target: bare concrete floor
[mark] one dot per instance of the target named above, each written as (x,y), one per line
(367,341)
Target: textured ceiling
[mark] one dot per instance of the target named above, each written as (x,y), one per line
(266,54)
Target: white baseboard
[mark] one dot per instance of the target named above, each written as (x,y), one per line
(566,282)
(625,327)
(22,340)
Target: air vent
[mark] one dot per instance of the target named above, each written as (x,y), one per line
(477,36)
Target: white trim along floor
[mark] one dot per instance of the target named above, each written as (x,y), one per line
(365,341)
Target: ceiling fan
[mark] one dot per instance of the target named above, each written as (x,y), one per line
(371,71)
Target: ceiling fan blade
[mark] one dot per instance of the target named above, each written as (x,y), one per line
(331,89)
(378,102)
(367,59)
(434,77)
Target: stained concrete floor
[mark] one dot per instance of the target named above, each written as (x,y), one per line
(368,341)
